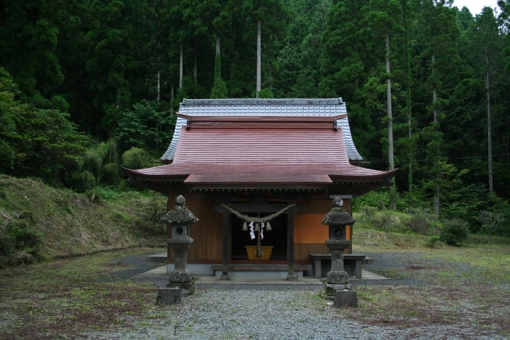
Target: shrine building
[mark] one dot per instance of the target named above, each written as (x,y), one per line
(260,166)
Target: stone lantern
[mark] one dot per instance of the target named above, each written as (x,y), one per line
(337,280)
(181,218)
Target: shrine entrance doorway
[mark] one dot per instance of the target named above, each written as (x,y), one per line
(276,237)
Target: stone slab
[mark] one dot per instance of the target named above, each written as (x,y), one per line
(161,273)
(346,298)
(169,296)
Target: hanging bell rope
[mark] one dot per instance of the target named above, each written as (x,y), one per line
(257,219)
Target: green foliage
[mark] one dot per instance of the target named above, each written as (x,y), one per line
(103,162)
(379,199)
(20,234)
(110,173)
(219,89)
(454,231)
(135,158)
(146,126)
(422,222)
(82,181)
(39,143)
(384,220)
(491,223)
(266,93)
(432,241)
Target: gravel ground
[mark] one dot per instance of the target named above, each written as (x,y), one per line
(251,311)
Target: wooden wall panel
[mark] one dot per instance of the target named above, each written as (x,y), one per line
(302,251)
(206,233)
(308,228)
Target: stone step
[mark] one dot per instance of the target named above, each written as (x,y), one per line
(259,267)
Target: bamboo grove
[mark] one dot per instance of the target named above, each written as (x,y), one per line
(426,84)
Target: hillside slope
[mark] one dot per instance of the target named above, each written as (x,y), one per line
(70,224)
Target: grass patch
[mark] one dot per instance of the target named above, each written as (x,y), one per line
(70,224)
(464,286)
(62,299)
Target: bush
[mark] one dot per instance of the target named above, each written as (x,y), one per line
(20,234)
(387,221)
(384,220)
(454,232)
(82,181)
(7,244)
(491,223)
(379,199)
(432,241)
(421,221)
(93,161)
(367,216)
(135,158)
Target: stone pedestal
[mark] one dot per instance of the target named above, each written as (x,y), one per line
(346,298)
(169,296)
(181,277)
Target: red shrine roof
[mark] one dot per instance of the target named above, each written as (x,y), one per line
(261,152)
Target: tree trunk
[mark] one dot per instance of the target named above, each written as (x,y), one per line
(159,86)
(409,107)
(436,161)
(217,61)
(489,133)
(195,65)
(259,62)
(181,67)
(172,96)
(117,106)
(391,160)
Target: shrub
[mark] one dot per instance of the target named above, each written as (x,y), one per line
(7,244)
(367,216)
(379,199)
(432,241)
(92,161)
(20,234)
(111,173)
(384,220)
(82,181)
(135,158)
(421,221)
(454,232)
(491,222)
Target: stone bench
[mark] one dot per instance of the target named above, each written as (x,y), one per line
(353,263)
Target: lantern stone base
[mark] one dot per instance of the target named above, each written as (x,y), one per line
(330,289)
(187,288)
(169,296)
(346,298)
(342,294)
(338,277)
(180,276)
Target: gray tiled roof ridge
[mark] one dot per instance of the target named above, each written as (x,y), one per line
(262,101)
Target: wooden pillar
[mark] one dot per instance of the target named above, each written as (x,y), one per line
(290,246)
(226,246)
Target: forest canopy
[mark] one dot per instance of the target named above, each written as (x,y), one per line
(426,84)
